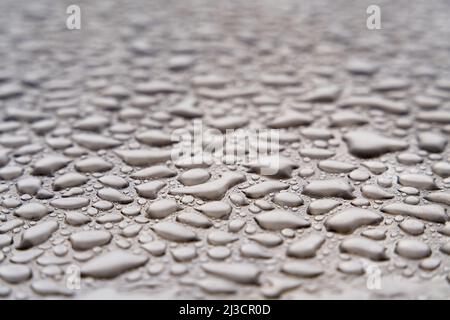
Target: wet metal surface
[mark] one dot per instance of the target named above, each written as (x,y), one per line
(352,205)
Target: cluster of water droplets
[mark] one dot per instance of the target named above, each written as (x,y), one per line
(89,188)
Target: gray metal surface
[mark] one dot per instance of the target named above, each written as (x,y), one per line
(95,205)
